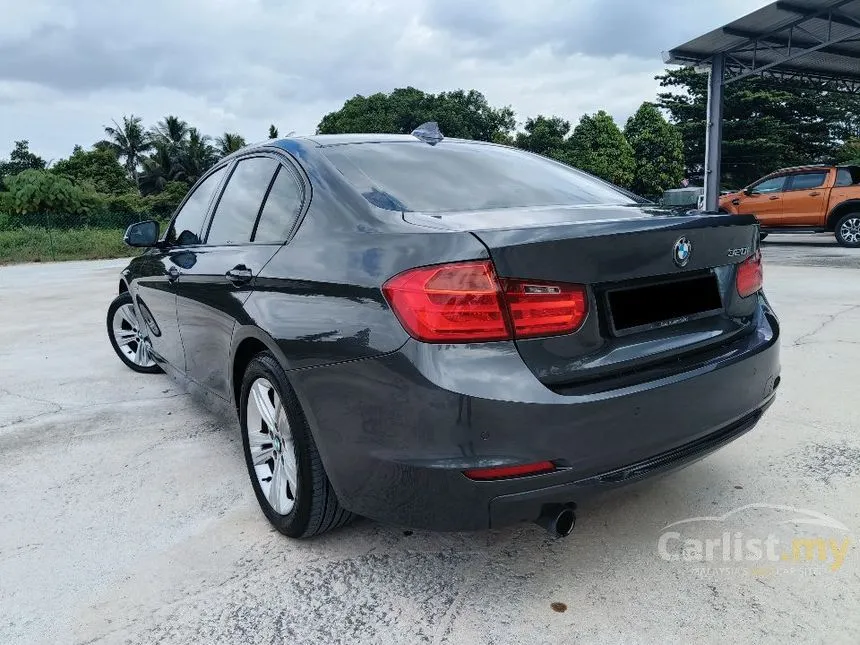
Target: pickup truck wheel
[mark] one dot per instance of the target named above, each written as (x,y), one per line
(848,230)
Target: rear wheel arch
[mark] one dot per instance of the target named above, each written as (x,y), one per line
(840,210)
(246,345)
(123,286)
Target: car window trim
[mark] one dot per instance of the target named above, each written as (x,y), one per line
(214,210)
(283,159)
(218,189)
(790,180)
(287,159)
(263,202)
(287,167)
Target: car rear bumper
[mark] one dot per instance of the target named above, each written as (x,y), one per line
(406,425)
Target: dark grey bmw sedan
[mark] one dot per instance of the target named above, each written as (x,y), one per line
(447,334)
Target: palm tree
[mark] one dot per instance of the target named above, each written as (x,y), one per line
(273,132)
(158,168)
(229,143)
(170,130)
(196,156)
(129,141)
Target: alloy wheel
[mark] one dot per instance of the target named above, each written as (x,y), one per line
(850,230)
(129,337)
(271,444)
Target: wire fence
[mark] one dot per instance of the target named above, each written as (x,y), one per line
(39,237)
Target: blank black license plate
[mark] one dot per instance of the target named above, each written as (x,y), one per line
(669,302)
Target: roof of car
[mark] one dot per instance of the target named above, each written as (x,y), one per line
(324,140)
(340,139)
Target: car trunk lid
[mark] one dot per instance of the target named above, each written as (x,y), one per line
(647,305)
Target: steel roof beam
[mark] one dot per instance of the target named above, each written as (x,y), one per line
(838,17)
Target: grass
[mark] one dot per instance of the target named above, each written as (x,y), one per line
(33,244)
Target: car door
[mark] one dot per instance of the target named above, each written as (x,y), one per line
(804,198)
(212,292)
(153,284)
(764,200)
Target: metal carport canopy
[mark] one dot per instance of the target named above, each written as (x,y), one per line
(816,41)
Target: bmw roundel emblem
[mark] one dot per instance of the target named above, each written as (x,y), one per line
(682,251)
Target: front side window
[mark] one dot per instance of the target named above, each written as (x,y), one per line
(281,210)
(808,181)
(456,176)
(237,210)
(185,229)
(772,185)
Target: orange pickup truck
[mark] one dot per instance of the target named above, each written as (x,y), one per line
(807,199)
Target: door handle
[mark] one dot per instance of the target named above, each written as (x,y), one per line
(774,198)
(173,274)
(814,194)
(239,275)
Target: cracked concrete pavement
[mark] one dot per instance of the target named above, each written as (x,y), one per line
(127,516)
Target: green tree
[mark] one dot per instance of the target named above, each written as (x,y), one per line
(229,143)
(459,113)
(170,131)
(657,149)
(545,136)
(130,142)
(273,132)
(598,146)
(158,169)
(162,205)
(196,157)
(849,153)
(99,168)
(21,159)
(767,124)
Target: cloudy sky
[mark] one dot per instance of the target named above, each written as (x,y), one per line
(67,67)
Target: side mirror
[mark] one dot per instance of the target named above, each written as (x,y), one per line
(748,191)
(142,234)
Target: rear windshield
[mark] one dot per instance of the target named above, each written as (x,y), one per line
(453,176)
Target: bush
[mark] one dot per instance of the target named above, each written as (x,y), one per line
(120,211)
(162,205)
(34,193)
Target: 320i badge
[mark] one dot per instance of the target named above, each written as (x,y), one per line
(448,334)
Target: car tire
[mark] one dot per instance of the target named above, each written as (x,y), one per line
(284,465)
(847,230)
(127,338)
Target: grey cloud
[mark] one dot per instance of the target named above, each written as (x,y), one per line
(69,66)
(592,27)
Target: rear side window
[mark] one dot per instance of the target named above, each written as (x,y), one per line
(186,226)
(847,176)
(452,176)
(282,208)
(239,206)
(808,181)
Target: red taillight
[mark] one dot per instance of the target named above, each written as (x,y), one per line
(449,303)
(545,309)
(466,302)
(749,276)
(504,472)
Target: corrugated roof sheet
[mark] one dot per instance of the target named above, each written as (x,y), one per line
(771,27)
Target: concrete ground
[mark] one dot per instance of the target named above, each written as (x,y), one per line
(126,515)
